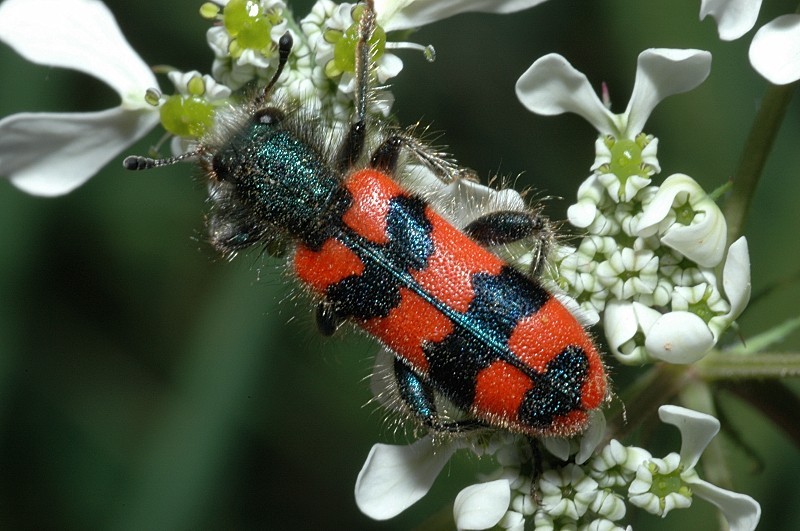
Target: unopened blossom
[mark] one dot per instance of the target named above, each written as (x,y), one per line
(53,153)
(609,505)
(604,525)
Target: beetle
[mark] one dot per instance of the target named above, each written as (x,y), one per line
(461,323)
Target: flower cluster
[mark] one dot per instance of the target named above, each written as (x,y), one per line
(648,257)
(593,492)
(54,153)
(649,262)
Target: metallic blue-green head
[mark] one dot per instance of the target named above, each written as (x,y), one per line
(269,176)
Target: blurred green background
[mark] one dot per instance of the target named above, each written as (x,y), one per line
(146,383)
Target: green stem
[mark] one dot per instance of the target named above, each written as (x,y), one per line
(754,156)
(743,367)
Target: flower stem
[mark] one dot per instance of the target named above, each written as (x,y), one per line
(742,367)
(754,156)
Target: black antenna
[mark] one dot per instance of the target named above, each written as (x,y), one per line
(137,162)
(284,48)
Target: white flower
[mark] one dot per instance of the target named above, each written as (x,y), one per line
(675,480)
(590,438)
(687,220)
(54,153)
(638,220)
(567,492)
(637,333)
(775,50)
(609,504)
(615,465)
(629,272)
(660,487)
(625,325)
(245,39)
(734,17)
(552,86)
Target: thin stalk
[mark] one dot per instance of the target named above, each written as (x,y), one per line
(754,156)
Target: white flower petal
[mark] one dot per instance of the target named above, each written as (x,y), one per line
(77,34)
(393,478)
(512,521)
(582,213)
(553,86)
(595,431)
(557,446)
(662,72)
(621,321)
(462,201)
(703,242)
(736,277)
(741,511)
(658,208)
(775,50)
(483,505)
(734,17)
(53,153)
(703,239)
(389,66)
(679,337)
(405,14)
(697,429)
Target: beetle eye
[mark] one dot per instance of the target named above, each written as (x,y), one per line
(268,116)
